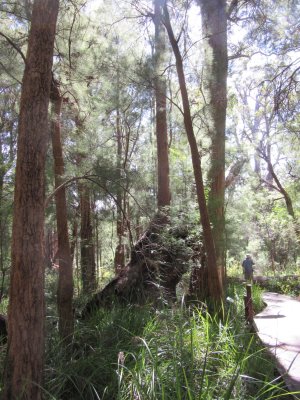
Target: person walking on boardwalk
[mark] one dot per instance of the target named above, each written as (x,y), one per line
(248,268)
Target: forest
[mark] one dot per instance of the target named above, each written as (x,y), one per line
(146,147)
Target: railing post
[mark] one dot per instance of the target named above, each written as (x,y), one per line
(249,314)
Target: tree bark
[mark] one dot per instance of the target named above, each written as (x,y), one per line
(63,255)
(87,248)
(163,190)
(26,314)
(3,225)
(214,30)
(234,172)
(120,253)
(214,283)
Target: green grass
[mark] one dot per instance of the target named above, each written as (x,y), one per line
(170,354)
(139,353)
(290,286)
(4,305)
(236,292)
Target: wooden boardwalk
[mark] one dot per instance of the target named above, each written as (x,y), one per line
(278,327)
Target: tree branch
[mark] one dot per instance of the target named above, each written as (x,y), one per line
(232,7)
(14,46)
(9,74)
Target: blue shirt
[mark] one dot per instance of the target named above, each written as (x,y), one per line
(247,264)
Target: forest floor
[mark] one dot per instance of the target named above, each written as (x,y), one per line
(278,327)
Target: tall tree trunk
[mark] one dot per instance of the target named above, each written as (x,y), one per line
(214,30)
(73,244)
(87,249)
(163,192)
(119,260)
(215,288)
(63,255)
(3,226)
(26,314)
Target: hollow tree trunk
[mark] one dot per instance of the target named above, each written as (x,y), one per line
(26,314)
(214,30)
(63,255)
(214,285)
(163,189)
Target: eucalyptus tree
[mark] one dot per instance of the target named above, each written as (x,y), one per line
(269,97)
(120,252)
(215,290)
(121,122)
(9,94)
(163,181)
(106,110)
(87,247)
(269,41)
(214,86)
(13,41)
(63,257)
(264,66)
(26,314)
(75,79)
(266,134)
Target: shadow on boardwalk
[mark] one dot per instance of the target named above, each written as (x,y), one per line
(278,327)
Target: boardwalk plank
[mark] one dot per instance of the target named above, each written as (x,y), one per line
(278,327)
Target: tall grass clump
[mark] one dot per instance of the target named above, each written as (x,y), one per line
(89,369)
(197,357)
(138,353)
(236,293)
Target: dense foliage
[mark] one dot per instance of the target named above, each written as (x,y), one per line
(107,70)
(180,353)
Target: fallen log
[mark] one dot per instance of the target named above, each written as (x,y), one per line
(158,260)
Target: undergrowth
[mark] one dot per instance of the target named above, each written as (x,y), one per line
(175,353)
(289,286)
